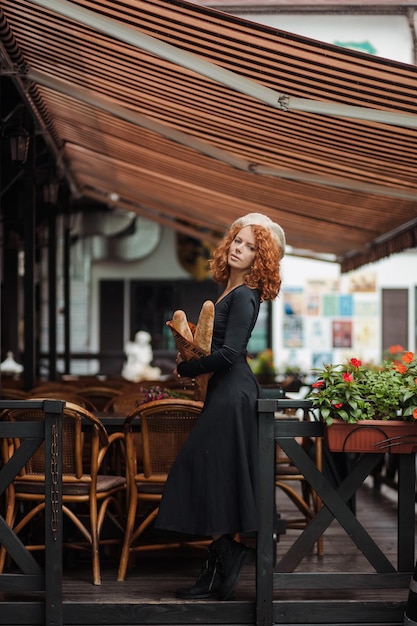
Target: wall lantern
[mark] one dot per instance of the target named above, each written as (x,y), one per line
(51,191)
(19,140)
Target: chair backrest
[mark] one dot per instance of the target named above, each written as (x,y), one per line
(98,395)
(96,380)
(124,403)
(52,385)
(72,440)
(132,387)
(9,393)
(66,396)
(165,425)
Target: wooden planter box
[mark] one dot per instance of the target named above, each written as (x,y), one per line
(392,436)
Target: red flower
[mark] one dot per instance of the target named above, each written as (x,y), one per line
(408,357)
(318,384)
(394,349)
(401,369)
(348,378)
(415,414)
(355,362)
(338,405)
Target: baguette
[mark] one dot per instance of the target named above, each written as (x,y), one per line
(204,329)
(180,323)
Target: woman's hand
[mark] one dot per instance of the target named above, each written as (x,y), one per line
(178,360)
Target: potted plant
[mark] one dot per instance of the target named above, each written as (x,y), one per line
(292,378)
(366,405)
(263,366)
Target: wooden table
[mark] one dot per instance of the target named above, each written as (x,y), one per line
(113,422)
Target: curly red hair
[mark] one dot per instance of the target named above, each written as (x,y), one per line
(264,274)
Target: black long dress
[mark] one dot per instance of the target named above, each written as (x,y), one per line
(212,487)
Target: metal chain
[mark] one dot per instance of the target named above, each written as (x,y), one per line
(54,482)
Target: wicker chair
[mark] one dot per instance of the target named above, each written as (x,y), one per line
(134,384)
(92,494)
(123,403)
(65,395)
(52,386)
(165,425)
(96,380)
(9,393)
(98,395)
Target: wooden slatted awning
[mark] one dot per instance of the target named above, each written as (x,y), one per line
(193,117)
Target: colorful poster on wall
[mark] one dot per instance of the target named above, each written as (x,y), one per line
(293,331)
(293,298)
(320,359)
(318,335)
(313,304)
(363,281)
(366,305)
(366,334)
(342,333)
(323,285)
(346,305)
(330,304)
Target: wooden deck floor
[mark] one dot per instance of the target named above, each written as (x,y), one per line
(157,575)
(147,596)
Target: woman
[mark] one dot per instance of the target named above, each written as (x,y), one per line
(212,488)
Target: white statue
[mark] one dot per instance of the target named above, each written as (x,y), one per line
(139,356)
(10,366)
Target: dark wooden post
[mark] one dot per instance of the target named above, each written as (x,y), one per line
(406,507)
(53,512)
(10,312)
(410,618)
(265,542)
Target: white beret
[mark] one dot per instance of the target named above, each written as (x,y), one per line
(258,219)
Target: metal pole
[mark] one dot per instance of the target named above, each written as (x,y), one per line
(29,212)
(67,291)
(52,356)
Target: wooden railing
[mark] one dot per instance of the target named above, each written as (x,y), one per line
(335,500)
(269,576)
(31,577)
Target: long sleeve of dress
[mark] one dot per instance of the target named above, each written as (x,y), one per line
(241,313)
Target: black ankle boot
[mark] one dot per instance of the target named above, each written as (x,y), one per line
(231,558)
(208,581)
